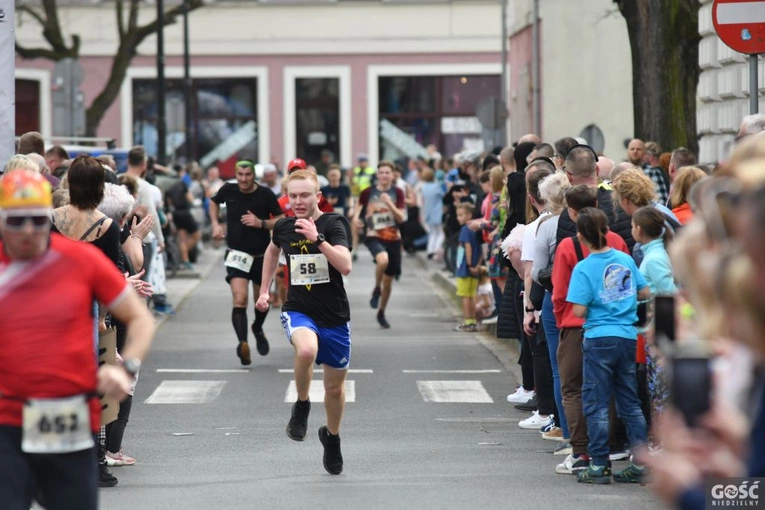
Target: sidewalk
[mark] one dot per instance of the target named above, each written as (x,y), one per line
(505,350)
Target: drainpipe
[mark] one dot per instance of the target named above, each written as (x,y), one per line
(535,90)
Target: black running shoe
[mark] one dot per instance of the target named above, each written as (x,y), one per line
(296,428)
(381,319)
(375,301)
(333,457)
(243,351)
(105,476)
(261,342)
(531,405)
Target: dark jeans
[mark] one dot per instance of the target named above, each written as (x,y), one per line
(543,380)
(497,295)
(115,431)
(451,244)
(553,337)
(609,370)
(67,481)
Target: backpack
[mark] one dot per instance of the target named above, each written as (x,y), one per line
(545,275)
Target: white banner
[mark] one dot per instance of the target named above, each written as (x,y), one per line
(7,82)
(401,140)
(231,145)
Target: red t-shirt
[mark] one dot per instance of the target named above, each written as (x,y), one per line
(47,345)
(284,203)
(563,267)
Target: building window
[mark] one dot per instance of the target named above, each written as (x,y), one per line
(224,120)
(417,111)
(317,121)
(27,106)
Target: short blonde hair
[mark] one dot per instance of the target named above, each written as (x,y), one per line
(21,162)
(553,189)
(635,187)
(497,178)
(303,175)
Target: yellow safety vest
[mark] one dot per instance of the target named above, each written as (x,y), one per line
(362,179)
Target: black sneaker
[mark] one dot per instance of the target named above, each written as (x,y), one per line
(298,424)
(375,301)
(261,342)
(531,405)
(382,321)
(333,457)
(105,476)
(243,351)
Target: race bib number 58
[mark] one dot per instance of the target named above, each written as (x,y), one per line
(309,269)
(56,425)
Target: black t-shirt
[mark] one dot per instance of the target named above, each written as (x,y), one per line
(262,203)
(342,193)
(178,195)
(325,303)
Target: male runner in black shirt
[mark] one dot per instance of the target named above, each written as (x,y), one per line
(249,207)
(316,316)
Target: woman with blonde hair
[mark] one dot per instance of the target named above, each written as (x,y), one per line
(679,199)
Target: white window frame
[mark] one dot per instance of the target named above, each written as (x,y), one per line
(41,76)
(292,73)
(260,73)
(374,73)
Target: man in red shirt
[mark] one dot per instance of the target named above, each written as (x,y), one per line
(284,200)
(49,408)
(570,358)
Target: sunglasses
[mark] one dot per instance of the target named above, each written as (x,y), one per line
(39,223)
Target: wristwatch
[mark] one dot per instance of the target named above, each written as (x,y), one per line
(530,310)
(132,366)
(320,238)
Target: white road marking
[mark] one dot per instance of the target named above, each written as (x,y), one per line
(201,371)
(424,315)
(316,393)
(488,371)
(465,392)
(741,13)
(186,392)
(321,371)
(479,420)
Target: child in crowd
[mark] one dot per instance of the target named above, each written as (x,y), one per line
(468,258)
(604,289)
(485,304)
(337,193)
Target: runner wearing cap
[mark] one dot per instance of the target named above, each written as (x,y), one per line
(49,408)
(316,316)
(252,210)
(384,209)
(284,200)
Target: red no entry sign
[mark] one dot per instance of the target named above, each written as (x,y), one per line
(740,24)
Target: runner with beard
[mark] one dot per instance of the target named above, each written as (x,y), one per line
(316,316)
(384,208)
(252,210)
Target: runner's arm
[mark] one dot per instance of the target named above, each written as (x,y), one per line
(270,261)
(214,213)
(269,224)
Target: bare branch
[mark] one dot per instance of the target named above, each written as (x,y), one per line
(120,20)
(133,16)
(609,13)
(28,9)
(33,53)
(170,17)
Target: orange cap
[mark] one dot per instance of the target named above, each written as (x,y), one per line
(24,189)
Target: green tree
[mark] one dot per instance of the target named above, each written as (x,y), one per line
(664,38)
(131,35)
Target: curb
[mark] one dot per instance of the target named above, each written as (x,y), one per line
(506,351)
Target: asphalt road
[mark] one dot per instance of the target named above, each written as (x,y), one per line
(428,427)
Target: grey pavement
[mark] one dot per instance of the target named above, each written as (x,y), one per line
(400,450)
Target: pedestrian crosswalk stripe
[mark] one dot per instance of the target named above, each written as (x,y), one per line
(321,371)
(186,392)
(488,371)
(463,392)
(316,393)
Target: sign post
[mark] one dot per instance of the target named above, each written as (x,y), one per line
(7,82)
(740,24)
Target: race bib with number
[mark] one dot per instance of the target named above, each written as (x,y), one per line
(383,220)
(239,260)
(309,269)
(59,425)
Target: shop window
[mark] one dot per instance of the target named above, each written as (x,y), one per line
(317,120)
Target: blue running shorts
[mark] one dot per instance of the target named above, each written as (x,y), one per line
(334,343)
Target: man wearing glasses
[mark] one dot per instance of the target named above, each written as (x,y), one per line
(49,406)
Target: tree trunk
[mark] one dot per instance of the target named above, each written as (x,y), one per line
(96,111)
(664,38)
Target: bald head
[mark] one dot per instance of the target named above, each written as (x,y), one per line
(581,166)
(621,168)
(530,137)
(605,166)
(636,152)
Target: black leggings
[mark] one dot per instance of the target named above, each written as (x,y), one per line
(115,431)
(67,481)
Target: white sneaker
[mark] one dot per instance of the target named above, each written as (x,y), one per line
(521,396)
(534,421)
(571,466)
